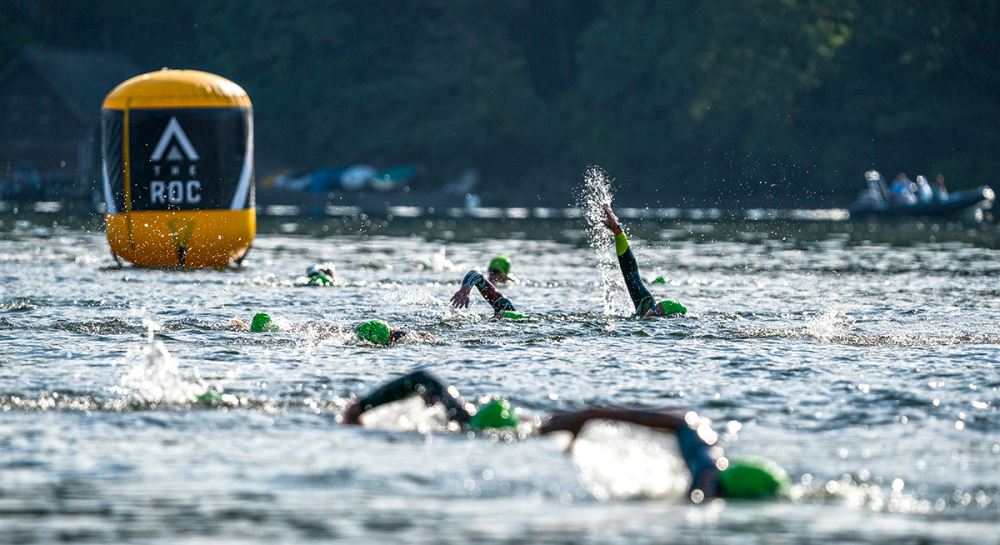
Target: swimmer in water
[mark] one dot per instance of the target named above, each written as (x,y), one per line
(498,271)
(376,332)
(712,474)
(262,322)
(494,413)
(645,304)
(380,333)
(502,307)
(320,274)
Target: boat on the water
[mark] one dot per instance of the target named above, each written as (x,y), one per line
(877,203)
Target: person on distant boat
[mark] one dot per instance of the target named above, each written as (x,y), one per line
(502,307)
(493,413)
(712,474)
(924,192)
(878,192)
(645,304)
(902,190)
(940,191)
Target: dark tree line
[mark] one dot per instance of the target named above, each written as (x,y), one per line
(683,101)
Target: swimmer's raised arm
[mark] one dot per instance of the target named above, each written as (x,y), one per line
(574,421)
(421,383)
(489,292)
(637,291)
(645,304)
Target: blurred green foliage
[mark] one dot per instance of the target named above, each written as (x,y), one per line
(684,101)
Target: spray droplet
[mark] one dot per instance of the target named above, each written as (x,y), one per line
(595,193)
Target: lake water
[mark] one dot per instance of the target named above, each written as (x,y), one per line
(862,359)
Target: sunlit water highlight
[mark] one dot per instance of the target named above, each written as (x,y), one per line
(868,369)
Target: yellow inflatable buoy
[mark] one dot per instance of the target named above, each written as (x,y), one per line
(178,170)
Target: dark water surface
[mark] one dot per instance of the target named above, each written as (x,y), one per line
(866,364)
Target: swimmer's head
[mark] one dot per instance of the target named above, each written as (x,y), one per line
(319,279)
(512,315)
(659,280)
(374,331)
(494,414)
(263,323)
(209,397)
(667,308)
(324,269)
(753,478)
(499,269)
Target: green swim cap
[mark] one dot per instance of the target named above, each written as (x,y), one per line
(374,331)
(669,308)
(319,279)
(494,414)
(210,397)
(500,263)
(262,323)
(659,280)
(754,478)
(512,315)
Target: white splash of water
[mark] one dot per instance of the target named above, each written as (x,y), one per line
(283,324)
(439,262)
(408,415)
(396,296)
(157,377)
(595,193)
(624,461)
(319,333)
(856,491)
(832,323)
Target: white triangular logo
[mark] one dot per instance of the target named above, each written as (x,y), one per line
(174,132)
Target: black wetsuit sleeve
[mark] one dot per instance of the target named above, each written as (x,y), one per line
(637,290)
(472,278)
(696,454)
(419,383)
(488,291)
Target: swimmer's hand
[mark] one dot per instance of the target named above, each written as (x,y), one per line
(610,220)
(461,297)
(236,323)
(572,422)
